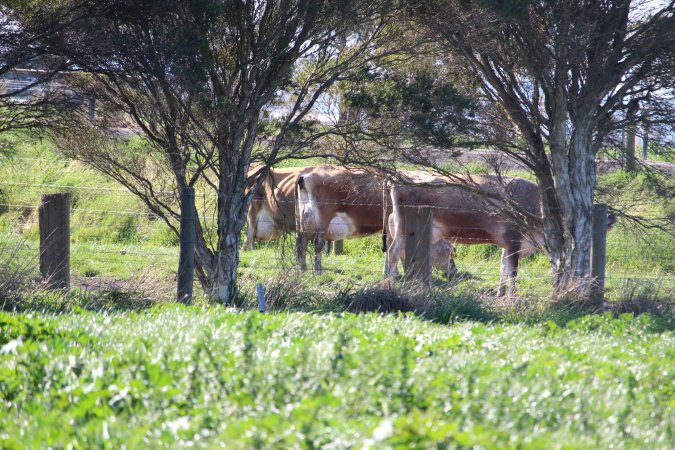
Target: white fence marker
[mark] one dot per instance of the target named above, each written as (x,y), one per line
(261,298)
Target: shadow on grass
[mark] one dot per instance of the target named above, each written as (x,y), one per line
(292,292)
(59,302)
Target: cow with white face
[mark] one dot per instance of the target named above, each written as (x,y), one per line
(272,210)
(332,204)
(462,216)
(335,203)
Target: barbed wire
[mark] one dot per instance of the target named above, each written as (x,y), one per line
(11,158)
(78,249)
(123,252)
(264,221)
(463,241)
(282,201)
(101,211)
(253,263)
(64,186)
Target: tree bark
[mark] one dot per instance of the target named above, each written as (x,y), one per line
(568,213)
(645,140)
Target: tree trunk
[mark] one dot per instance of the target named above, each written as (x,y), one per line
(217,268)
(226,274)
(645,140)
(567,211)
(231,218)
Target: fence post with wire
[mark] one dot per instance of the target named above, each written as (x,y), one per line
(598,256)
(417,262)
(54,219)
(186,260)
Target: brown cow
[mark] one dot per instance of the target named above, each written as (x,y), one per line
(335,203)
(460,216)
(272,209)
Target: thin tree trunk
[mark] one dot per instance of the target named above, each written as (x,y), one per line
(568,214)
(645,140)
(231,222)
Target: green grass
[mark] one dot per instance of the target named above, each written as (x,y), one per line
(113,368)
(114,236)
(175,377)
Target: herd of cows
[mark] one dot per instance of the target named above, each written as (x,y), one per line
(327,203)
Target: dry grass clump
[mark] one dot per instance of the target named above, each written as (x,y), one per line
(383,300)
(285,291)
(16,273)
(640,297)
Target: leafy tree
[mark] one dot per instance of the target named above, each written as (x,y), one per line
(556,79)
(26,30)
(198,78)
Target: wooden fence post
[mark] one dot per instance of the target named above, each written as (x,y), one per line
(417,263)
(186,259)
(54,219)
(598,256)
(338,247)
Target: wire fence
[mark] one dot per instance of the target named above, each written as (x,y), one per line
(633,258)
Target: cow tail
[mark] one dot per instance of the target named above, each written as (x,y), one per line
(384,216)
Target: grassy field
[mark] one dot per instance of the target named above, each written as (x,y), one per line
(210,377)
(112,365)
(115,237)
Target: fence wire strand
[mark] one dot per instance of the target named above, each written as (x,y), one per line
(355,262)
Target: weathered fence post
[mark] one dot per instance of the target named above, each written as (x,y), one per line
(54,219)
(631,131)
(417,263)
(598,256)
(186,260)
(338,247)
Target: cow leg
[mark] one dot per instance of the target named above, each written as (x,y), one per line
(509,270)
(301,242)
(394,247)
(249,242)
(387,239)
(327,247)
(319,243)
(452,269)
(502,274)
(513,273)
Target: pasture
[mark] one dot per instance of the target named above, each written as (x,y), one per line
(117,241)
(210,377)
(113,365)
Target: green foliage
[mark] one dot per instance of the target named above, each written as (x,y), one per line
(507,8)
(177,376)
(432,108)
